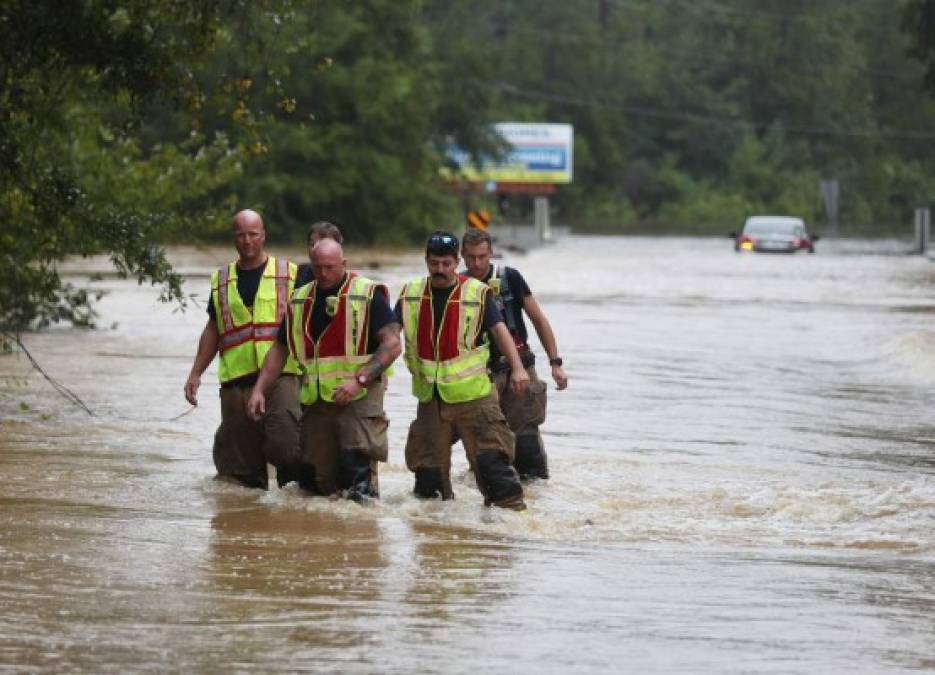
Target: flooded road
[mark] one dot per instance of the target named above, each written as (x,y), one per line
(743,480)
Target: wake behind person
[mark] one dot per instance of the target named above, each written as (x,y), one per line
(248,301)
(446,318)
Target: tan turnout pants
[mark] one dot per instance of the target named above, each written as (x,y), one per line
(329,429)
(479,424)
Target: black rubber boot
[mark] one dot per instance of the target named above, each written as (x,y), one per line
(354,476)
(299,473)
(430,484)
(498,481)
(286,473)
(531,461)
(307,478)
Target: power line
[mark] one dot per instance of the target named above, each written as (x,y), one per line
(646,111)
(758,14)
(711,56)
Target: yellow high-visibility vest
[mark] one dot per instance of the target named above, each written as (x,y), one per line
(342,346)
(445,357)
(246,335)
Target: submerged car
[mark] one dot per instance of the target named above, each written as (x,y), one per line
(774,234)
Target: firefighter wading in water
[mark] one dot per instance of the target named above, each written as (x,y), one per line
(524,413)
(342,332)
(446,318)
(248,301)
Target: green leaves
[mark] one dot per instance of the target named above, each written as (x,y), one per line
(76,175)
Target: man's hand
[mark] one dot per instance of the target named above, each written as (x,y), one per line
(561,380)
(256,405)
(346,393)
(191,389)
(519,380)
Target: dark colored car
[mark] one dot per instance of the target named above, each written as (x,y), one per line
(774,234)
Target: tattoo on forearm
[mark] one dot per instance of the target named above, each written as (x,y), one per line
(375,368)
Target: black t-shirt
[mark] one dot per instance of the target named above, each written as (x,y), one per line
(510,302)
(491,315)
(248,282)
(381,315)
(303,275)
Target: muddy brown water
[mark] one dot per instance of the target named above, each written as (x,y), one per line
(743,481)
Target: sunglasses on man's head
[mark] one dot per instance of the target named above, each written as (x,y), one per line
(442,243)
(444,239)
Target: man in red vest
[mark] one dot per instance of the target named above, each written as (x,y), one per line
(446,319)
(341,330)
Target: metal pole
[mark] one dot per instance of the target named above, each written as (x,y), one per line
(540,207)
(926,229)
(922,230)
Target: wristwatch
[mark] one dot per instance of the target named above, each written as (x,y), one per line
(362,380)
(557,361)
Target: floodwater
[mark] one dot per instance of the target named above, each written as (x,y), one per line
(743,481)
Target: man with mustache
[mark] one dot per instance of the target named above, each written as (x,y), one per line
(446,318)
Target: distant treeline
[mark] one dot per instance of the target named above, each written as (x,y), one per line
(126,124)
(688,114)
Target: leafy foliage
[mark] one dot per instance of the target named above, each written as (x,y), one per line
(74,178)
(126,124)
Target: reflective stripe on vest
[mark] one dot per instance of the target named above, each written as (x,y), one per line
(341,349)
(245,336)
(445,357)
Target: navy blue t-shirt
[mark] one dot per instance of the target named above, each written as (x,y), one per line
(303,275)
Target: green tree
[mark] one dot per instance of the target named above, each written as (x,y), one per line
(75,177)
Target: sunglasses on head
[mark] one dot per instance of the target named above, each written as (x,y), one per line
(445,239)
(442,243)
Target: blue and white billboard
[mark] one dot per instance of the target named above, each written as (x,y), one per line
(541,153)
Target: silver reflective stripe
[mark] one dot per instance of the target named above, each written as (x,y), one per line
(236,337)
(282,287)
(227,321)
(265,332)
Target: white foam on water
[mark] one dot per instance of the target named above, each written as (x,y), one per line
(914,352)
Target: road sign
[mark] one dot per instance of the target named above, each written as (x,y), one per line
(540,153)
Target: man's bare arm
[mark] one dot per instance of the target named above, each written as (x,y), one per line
(272,367)
(387,351)
(207,348)
(546,337)
(519,379)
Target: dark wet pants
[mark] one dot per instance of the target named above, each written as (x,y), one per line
(525,413)
(243,447)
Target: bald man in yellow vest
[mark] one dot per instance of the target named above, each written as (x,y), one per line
(248,301)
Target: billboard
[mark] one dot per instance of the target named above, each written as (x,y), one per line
(541,153)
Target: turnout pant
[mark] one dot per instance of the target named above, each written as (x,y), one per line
(487,440)
(525,413)
(341,445)
(243,447)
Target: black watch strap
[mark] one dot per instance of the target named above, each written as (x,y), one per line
(557,361)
